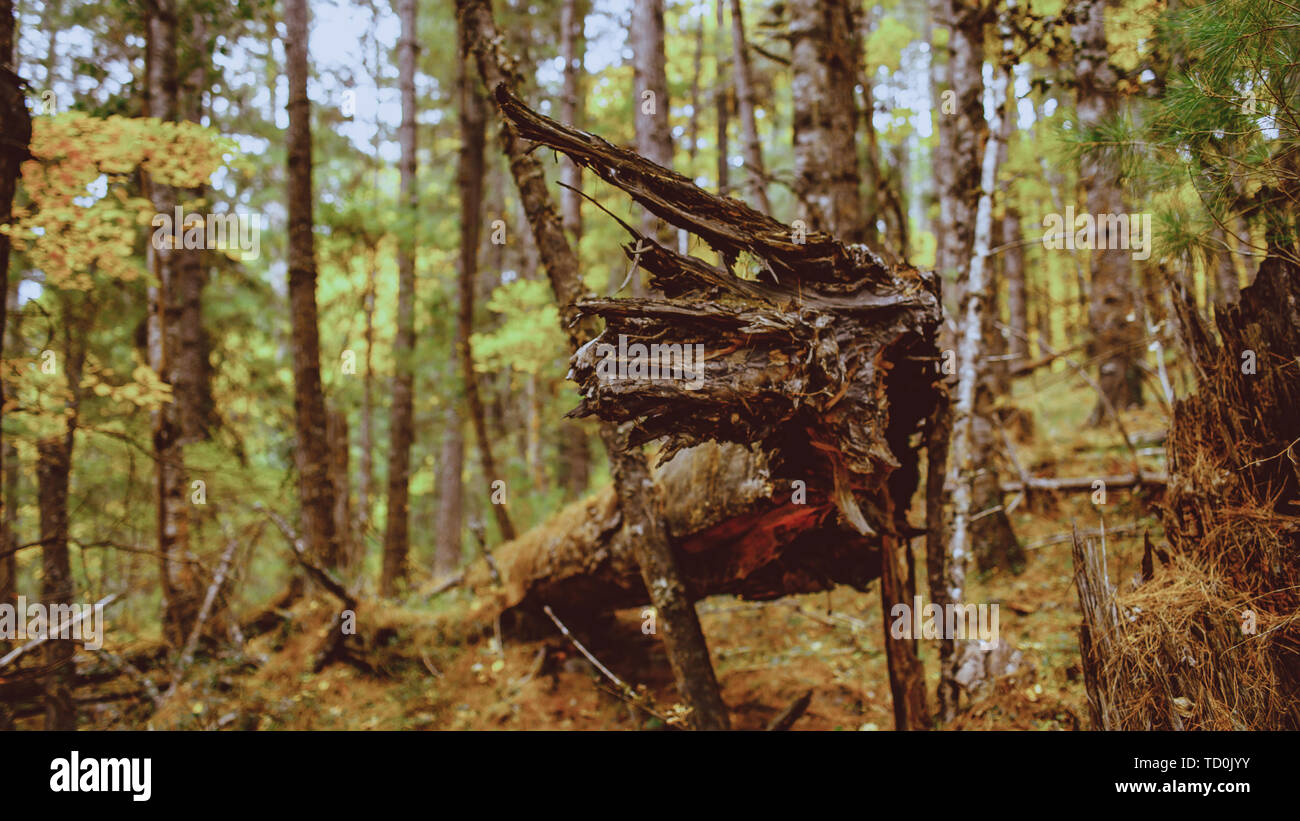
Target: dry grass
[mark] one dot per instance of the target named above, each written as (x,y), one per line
(1184,659)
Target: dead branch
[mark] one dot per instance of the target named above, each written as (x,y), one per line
(19,652)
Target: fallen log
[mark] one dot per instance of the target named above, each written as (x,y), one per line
(737,529)
(1062,484)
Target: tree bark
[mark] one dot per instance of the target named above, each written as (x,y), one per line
(13,151)
(447,546)
(52,468)
(874,180)
(315,489)
(1117,340)
(969,462)
(340,446)
(180,594)
(575,449)
(397,529)
(754,172)
(650,84)
(190,372)
(469,178)
(963,131)
(942,155)
(825,117)
(684,639)
(9,562)
(1013,270)
(722,102)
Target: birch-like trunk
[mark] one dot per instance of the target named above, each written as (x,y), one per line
(959,665)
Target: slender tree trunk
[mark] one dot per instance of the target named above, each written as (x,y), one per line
(722,101)
(469,178)
(964,668)
(1116,340)
(572,49)
(9,562)
(650,82)
(687,651)
(366,436)
(754,172)
(191,374)
(315,489)
(1013,269)
(366,480)
(52,467)
(994,540)
(340,445)
(697,73)
(53,471)
(575,449)
(179,587)
(966,132)
(401,431)
(447,550)
(13,151)
(873,178)
(943,158)
(906,673)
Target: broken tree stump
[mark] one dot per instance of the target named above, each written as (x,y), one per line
(816,356)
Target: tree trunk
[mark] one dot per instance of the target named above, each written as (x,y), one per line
(967,463)
(575,449)
(873,205)
(190,372)
(650,84)
(1013,270)
(451,464)
(469,178)
(722,102)
(13,151)
(1116,339)
(315,489)
(9,545)
(684,640)
(366,437)
(962,130)
(340,445)
(397,530)
(825,117)
(754,172)
(180,594)
(1226,286)
(943,156)
(52,468)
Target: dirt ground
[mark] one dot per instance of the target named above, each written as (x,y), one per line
(766,653)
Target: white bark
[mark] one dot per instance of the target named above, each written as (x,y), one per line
(961,467)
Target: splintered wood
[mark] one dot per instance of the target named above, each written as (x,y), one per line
(815,357)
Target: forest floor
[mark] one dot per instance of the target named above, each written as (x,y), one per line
(766,653)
